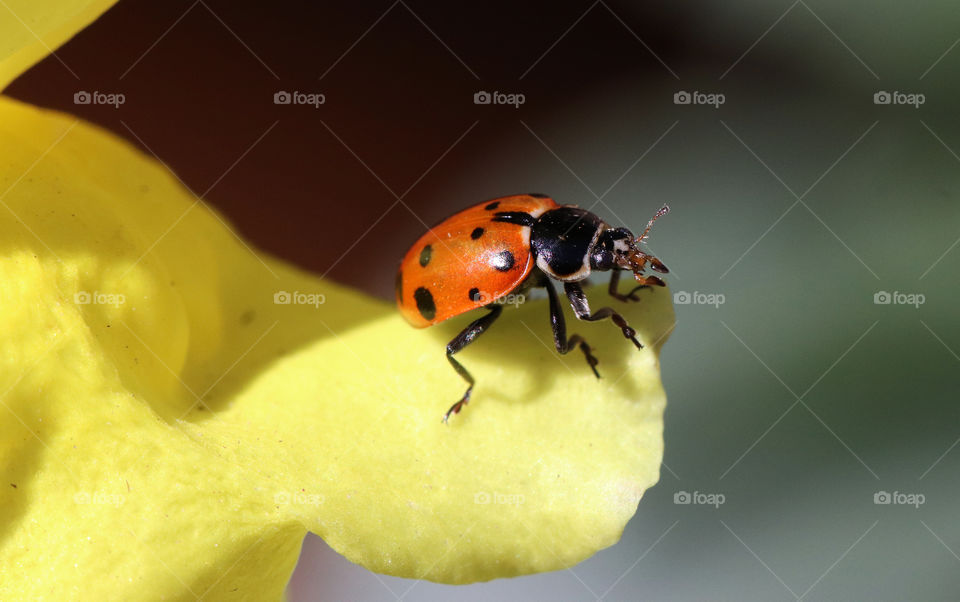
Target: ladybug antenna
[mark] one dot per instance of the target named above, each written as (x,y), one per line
(660,213)
(638,260)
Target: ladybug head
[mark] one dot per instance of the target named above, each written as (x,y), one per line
(617,248)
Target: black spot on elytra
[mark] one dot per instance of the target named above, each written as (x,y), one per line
(477,233)
(537,195)
(474,294)
(502,261)
(492,206)
(425,304)
(398,285)
(425,255)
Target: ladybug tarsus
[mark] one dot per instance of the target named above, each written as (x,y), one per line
(632,295)
(467,336)
(616,294)
(455,408)
(582,310)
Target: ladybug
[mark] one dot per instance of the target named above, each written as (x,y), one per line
(510,245)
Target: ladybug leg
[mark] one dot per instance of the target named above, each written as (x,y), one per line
(559,326)
(467,336)
(582,309)
(614,283)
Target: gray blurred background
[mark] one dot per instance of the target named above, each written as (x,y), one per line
(812,425)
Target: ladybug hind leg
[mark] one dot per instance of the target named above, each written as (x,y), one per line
(467,336)
(563,343)
(578,300)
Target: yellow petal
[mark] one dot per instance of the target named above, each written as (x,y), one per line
(540,471)
(172,427)
(32,29)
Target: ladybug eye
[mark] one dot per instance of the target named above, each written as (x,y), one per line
(602,256)
(601,260)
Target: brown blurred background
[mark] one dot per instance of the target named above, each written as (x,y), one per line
(199,80)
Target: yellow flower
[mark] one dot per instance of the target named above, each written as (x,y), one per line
(178,410)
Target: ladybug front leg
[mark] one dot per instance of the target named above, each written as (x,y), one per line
(559,326)
(582,308)
(614,283)
(467,336)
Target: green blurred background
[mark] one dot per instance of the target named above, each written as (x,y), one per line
(799,401)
